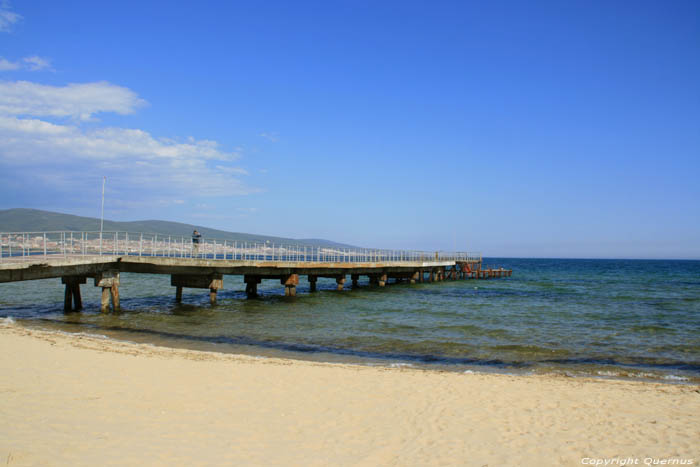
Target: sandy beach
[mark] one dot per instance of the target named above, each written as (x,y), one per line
(81,400)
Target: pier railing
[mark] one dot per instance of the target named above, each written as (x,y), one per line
(17,246)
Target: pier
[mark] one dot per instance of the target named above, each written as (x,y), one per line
(75,257)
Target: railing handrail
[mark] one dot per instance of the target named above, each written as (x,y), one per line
(125,243)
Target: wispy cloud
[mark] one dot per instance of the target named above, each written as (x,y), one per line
(63,155)
(78,101)
(6,65)
(36,63)
(7,17)
(33,63)
(270,136)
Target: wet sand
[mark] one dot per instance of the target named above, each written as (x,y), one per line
(81,400)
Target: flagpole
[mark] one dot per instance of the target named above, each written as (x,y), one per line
(102,215)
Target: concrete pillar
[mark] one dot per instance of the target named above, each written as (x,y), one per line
(251,285)
(382,280)
(115,296)
(251,289)
(68,298)
(414,277)
(290,283)
(77,299)
(312,283)
(104,304)
(340,281)
(109,281)
(72,292)
(213,282)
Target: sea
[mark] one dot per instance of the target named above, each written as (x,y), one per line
(622,319)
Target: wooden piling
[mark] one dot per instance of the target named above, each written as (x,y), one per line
(312,282)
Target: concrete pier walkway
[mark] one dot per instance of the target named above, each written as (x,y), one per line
(76,256)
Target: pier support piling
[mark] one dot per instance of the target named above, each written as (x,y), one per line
(340,281)
(213,282)
(109,281)
(251,285)
(312,283)
(104,303)
(71,298)
(290,283)
(68,298)
(354,278)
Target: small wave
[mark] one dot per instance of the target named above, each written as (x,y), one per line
(84,334)
(401,365)
(8,321)
(675,378)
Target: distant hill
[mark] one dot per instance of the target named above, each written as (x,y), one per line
(35,220)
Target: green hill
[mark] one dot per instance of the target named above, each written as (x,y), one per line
(35,220)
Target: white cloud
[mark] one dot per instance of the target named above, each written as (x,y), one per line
(7,17)
(64,155)
(78,101)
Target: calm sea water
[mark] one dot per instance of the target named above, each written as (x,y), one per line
(609,318)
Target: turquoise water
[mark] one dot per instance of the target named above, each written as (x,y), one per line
(609,318)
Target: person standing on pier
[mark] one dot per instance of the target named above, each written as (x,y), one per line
(196,237)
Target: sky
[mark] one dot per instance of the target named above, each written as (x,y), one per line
(515,129)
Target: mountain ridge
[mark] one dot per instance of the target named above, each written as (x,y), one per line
(37,220)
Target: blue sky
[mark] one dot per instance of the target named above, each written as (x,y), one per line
(535,129)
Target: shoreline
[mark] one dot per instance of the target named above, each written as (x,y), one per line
(76,399)
(615,371)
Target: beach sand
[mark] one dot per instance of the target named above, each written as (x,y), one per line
(80,400)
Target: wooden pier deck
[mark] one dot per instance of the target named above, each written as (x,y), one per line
(205,266)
